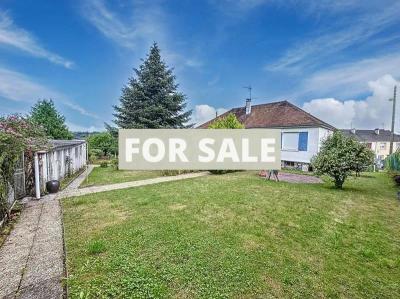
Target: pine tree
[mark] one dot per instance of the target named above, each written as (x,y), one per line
(151,99)
(44,113)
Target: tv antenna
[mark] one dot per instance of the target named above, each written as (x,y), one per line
(249,88)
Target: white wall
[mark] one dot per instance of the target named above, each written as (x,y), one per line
(315,138)
(53,165)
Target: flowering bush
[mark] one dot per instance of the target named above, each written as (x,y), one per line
(17,135)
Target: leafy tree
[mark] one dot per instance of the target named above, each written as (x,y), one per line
(44,113)
(104,142)
(340,156)
(151,98)
(363,157)
(228,122)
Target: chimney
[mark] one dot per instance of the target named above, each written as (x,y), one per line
(377,131)
(248,106)
(353,131)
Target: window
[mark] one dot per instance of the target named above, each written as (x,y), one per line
(382,145)
(294,141)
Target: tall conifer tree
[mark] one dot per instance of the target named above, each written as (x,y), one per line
(151,99)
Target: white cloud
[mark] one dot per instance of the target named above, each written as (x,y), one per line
(13,36)
(353,32)
(145,24)
(372,112)
(351,79)
(203,113)
(18,87)
(79,128)
(142,26)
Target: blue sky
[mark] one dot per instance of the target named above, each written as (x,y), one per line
(337,59)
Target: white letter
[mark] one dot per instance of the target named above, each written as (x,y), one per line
(228,150)
(176,148)
(129,149)
(245,152)
(205,149)
(160,150)
(266,149)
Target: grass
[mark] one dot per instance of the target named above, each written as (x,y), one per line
(109,175)
(236,235)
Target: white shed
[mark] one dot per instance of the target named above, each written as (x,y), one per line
(64,158)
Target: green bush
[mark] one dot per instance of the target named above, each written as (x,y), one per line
(114,163)
(104,142)
(340,156)
(104,164)
(228,122)
(221,171)
(95,154)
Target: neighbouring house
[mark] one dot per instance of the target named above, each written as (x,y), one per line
(378,140)
(302,133)
(61,159)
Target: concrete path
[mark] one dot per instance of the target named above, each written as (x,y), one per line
(96,189)
(32,258)
(78,181)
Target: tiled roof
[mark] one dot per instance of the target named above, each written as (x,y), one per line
(371,136)
(274,115)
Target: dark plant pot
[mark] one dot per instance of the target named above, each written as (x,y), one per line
(53,186)
(397,179)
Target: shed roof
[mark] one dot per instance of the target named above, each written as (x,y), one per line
(65,143)
(281,114)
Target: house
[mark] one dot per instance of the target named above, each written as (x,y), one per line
(378,140)
(302,133)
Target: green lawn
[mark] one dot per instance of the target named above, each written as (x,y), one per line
(236,235)
(108,175)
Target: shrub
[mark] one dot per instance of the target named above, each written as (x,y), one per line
(221,171)
(114,163)
(95,154)
(104,164)
(392,166)
(228,122)
(340,156)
